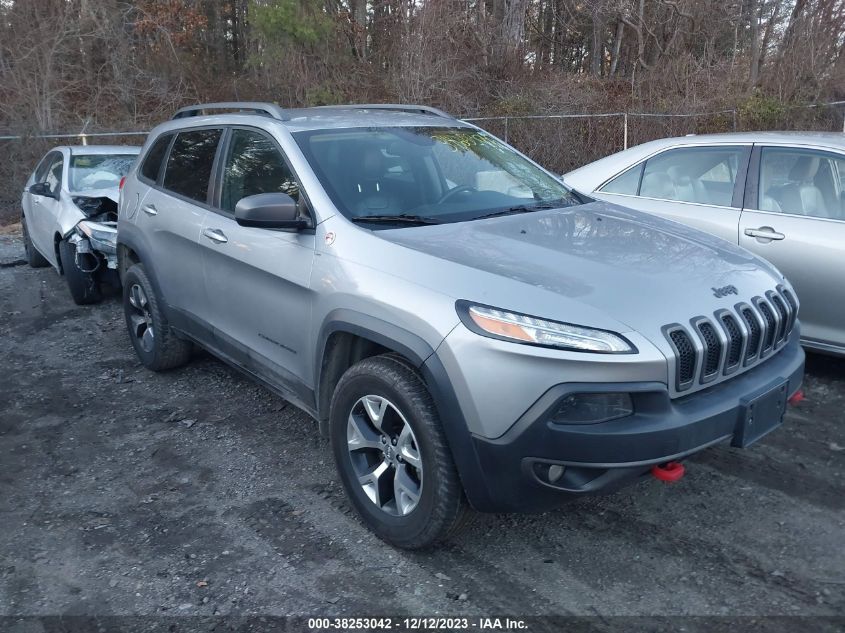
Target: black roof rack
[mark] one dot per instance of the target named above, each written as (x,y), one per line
(251,107)
(399,107)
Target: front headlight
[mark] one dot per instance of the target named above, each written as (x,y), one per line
(521,328)
(88,206)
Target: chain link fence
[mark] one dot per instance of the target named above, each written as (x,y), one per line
(560,142)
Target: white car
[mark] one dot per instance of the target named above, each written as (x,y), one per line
(69,215)
(781,195)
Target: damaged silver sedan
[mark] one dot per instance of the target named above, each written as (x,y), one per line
(69,215)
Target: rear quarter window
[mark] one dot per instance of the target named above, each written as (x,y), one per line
(189,165)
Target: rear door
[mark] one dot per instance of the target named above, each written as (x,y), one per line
(700,186)
(172,214)
(257,280)
(794,216)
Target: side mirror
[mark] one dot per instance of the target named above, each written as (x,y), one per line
(269,211)
(41,189)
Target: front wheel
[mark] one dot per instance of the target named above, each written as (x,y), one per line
(83,285)
(392,456)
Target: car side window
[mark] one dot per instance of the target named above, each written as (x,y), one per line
(802,182)
(152,162)
(44,166)
(189,165)
(254,165)
(628,182)
(702,175)
(53,177)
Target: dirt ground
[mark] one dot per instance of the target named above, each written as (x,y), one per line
(197,492)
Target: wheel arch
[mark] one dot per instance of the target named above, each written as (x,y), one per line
(337,352)
(132,249)
(347,337)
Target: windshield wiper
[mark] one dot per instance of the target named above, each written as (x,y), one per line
(522,208)
(402,218)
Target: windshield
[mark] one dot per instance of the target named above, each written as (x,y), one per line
(98,171)
(427,174)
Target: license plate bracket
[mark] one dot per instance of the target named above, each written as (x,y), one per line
(760,415)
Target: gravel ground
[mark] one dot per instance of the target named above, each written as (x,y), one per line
(197,492)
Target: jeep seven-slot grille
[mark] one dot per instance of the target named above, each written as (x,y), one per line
(711,347)
(753,327)
(793,306)
(735,341)
(780,306)
(771,325)
(685,351)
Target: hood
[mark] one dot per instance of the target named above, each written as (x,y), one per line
(640,270)
(112,193)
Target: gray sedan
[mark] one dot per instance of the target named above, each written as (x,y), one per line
(69,215)
(778,194)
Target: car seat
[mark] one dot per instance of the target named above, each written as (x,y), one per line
(658,184)
(800,194)
(368,190)
(687,189)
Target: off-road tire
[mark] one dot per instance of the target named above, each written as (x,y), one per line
(442,509)
(33,257)
(168,351)
(83,286)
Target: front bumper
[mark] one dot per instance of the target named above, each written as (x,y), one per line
(605,456)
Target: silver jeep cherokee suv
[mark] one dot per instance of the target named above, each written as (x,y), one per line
(466,330)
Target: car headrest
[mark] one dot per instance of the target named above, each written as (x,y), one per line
(804,169)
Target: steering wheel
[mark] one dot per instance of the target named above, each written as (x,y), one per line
(453,192)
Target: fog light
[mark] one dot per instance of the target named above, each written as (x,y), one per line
(555,473)
(592,408)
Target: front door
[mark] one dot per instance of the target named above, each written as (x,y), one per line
(44,210)
(258,280)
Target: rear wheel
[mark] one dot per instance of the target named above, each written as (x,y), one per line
(157,346)
(83,285)
(392,456)
(33,257)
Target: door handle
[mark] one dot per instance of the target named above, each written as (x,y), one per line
(215,235)
(764,233)
(149,209)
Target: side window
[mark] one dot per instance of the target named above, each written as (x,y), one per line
(44,166)
(627,182)
(53,177)
(255,165)
(802,182)
(703,175)
(190,162)
(152,162)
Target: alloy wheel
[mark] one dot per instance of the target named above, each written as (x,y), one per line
(141,318)
(385,455)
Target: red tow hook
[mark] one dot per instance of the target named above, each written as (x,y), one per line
(796,397)
(669,472)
